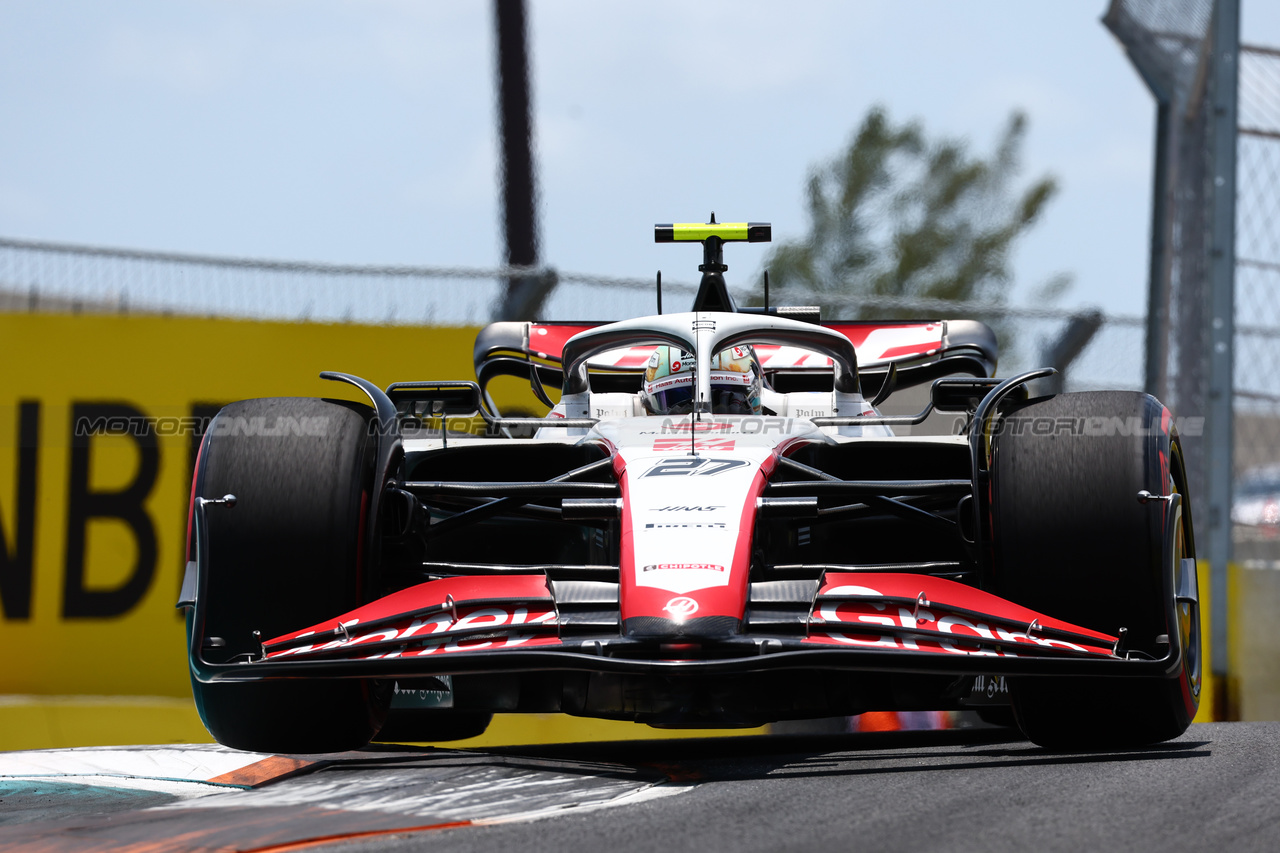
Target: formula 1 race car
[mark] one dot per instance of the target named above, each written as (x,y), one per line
(714,526)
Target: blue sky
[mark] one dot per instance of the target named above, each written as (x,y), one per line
(365,132)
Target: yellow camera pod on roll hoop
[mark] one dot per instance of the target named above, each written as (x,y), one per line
(726,232)
(713,295)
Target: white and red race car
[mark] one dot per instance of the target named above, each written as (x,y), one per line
(667,551)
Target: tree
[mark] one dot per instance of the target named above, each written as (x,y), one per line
(900,215)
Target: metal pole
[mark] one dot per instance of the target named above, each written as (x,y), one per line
(1219,424)
(1060,353)
(1157,368)
(519,201)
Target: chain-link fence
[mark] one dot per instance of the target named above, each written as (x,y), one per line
(1256,505)
(1216,287)
(1166,41)
(37,276)
(1258,256)
(78,279)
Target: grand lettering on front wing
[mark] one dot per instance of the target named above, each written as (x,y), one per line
(439,623)
(463,644)
(925,620)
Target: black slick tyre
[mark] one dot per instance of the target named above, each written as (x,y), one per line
(288,555)
(1071,539)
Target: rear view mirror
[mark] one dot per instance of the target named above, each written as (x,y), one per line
(963,394)
(459,399)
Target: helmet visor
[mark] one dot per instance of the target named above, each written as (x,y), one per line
(675,399)
(673,395)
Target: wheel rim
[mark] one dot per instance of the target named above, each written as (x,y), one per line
(1188,612)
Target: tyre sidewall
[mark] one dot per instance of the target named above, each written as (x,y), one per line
(289,554)
(1070,539)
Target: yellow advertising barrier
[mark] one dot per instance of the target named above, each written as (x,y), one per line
(1209,712)
(93,526)
(1219,697)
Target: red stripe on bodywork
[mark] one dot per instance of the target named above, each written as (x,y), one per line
(747,524)
(909,349)
(635,357)
(626,548)
(857,333)
(549,341)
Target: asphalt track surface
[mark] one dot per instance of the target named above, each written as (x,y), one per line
(1218,786)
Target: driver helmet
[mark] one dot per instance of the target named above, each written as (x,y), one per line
(669,383)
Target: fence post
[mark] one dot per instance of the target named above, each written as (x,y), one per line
(1219,423)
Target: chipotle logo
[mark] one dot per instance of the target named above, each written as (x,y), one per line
(657,567)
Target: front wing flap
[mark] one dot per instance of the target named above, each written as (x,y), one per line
(856,621)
